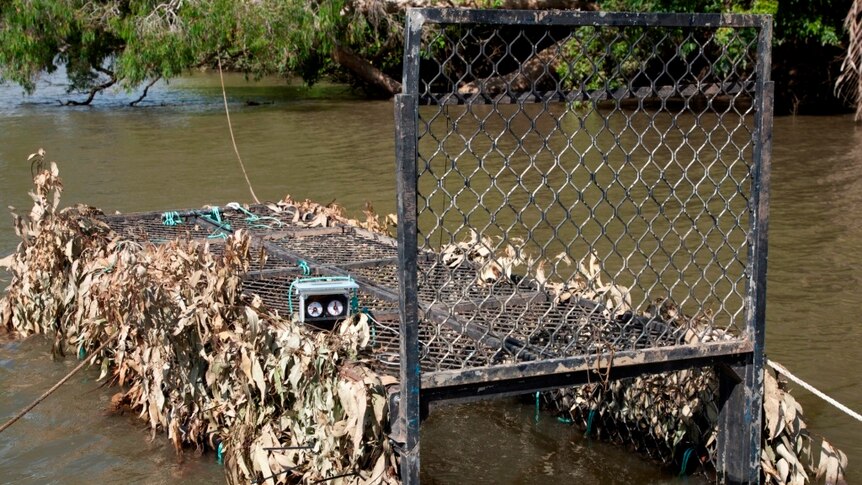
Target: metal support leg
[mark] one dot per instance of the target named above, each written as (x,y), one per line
(409,406)
(740,423)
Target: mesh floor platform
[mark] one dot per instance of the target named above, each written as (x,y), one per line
(489,322)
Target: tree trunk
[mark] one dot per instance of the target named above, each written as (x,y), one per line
(363,69)
(521,79)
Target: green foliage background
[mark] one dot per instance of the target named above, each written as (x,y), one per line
(132,41)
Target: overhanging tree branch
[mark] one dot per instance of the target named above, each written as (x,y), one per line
(93,92)
(365,71)
(146,90)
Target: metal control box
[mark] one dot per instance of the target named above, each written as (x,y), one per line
(324,301)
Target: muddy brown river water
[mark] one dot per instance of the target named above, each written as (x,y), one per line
(325,144)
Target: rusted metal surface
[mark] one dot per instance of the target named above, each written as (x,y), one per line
(528,133)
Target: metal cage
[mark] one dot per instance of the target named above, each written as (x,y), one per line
(580,190)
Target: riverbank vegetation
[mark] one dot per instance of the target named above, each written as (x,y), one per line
(131,45)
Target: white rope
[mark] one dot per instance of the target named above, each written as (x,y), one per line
(230,128)
(783,371)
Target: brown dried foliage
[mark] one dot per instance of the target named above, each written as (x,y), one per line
(195,358)
(849,83)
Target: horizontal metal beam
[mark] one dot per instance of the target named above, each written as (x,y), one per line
(522,377)
(576,18)
(517,387)
(644,93)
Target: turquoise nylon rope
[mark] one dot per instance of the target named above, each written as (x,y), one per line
(171,218)
(220,454)
(537,407)
(590,422)
(373,325)
(216,219)
(252,217)
(685,458)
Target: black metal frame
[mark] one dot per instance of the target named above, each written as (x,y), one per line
(740,361)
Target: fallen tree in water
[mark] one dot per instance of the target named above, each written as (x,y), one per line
(199,361)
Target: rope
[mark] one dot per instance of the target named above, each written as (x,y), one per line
(783,371)
(219,231)
(253,219)
(171,218)
(55,386)
(685,457)
(590,422)
(354,301)
(537,407)
(374,324)
(232,139)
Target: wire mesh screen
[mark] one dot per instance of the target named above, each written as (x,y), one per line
(586,187)
(671,417)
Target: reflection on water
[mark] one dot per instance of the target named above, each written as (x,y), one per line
(175,152)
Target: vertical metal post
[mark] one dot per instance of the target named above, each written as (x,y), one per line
(741,390)
(409,406)
(406,152)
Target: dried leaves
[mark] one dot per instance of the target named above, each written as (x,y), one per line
(197,359)
(787,456)
(311,214)
(678,409)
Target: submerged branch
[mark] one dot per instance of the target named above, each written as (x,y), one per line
(146,90)
(93,92)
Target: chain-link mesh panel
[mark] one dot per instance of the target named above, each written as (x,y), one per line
(585,188)
(671,417)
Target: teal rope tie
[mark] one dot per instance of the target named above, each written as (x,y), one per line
(564,420)
(253,220)
(685,457)
(590,423)
(220,453)
(303,265)
(537,407)
(373,328)
(171,218)
(219,232)
(81,352)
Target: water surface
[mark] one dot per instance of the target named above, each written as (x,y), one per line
(174,152)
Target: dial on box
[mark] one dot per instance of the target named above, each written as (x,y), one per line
(324,300)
